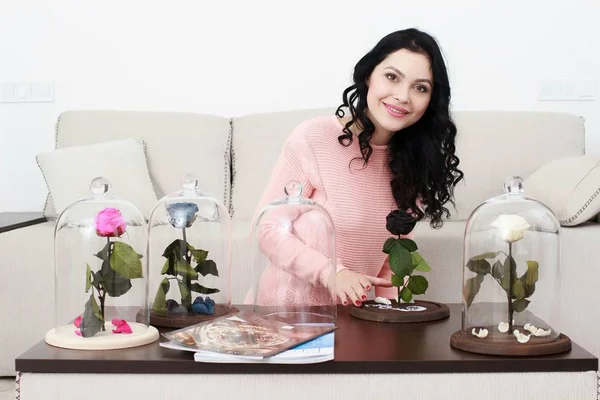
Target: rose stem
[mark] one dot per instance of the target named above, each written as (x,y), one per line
(187,282)
(509,292)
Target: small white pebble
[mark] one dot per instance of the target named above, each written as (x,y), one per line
(481,334)
(541,332)
(521,338)
(382,300)
(503,327)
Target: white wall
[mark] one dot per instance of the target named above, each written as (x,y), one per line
(237,57)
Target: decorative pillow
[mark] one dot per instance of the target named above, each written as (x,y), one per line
(69,171)
(569,187)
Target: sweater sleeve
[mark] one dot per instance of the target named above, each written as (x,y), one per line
(276,233)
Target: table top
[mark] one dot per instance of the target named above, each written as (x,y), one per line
(360,347)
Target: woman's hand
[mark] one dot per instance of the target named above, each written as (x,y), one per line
(353,287)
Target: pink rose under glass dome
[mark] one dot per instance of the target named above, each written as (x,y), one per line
(100,274)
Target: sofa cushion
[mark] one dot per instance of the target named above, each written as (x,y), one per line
(176,144)
(500,143)
(569,187)
(69,171)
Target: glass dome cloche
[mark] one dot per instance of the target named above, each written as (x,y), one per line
(189,258)
(293,261)
(511,278)
(100,278)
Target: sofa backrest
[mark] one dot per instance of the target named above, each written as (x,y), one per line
(491,146)
(176,144)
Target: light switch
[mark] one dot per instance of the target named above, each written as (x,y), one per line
(575,89)
(21,91)
(27,92)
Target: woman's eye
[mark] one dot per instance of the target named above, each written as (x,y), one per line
(422,88)
(391,77)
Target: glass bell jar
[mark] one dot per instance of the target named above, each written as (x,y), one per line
(189,258)
(511,278)
(293,260)
(100,277)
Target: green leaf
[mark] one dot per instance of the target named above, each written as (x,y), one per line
(96,308)
(207,267)
(518,290)
(406,295)
(114,284)
(197,288)
(125,261)
(397,281)
(103,254)
(497,270)
(168,268)
(176,250)
(530,277)
(509,264)
(88,277)
(160,300)
(408,244)
(186,296)
(471,288)
(418,284)
(479,266)
(91,322)
(520,305)
(490,254)
(199,255)
(389,245)
(183,268)
(400,261)
(420,263)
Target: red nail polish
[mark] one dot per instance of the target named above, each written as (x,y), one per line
(345,303)
(357,303)
(368,288)
(364,297)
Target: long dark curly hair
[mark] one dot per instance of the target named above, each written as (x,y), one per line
(421,158)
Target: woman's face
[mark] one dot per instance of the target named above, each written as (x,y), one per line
(399,90)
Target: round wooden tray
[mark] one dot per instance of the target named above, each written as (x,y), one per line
(184,320)
(505,344)
(433,311)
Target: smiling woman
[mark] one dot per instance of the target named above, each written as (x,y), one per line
(390,146)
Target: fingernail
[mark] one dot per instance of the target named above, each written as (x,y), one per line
(345,303)
(364,297)
(368,287)
(357,303)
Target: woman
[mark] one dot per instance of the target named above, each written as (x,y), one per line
(394,149)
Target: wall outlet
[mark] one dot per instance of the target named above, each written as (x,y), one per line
(27,92)
(567,90)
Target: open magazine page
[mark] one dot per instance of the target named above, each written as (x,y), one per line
(246,334)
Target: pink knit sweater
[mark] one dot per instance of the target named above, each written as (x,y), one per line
(358,199)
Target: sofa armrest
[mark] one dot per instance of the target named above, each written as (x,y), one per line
(16,220)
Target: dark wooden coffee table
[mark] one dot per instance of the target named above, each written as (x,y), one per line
(360,347)
(372,361)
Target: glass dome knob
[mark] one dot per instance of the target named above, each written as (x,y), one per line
(99,186)
(513,185)
(293,189)
(189,183)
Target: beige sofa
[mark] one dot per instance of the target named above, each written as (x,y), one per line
(234,160)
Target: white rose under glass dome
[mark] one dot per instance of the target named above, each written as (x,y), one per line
(511,278)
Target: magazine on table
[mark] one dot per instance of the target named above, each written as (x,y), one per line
(246,335)
(317,350)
